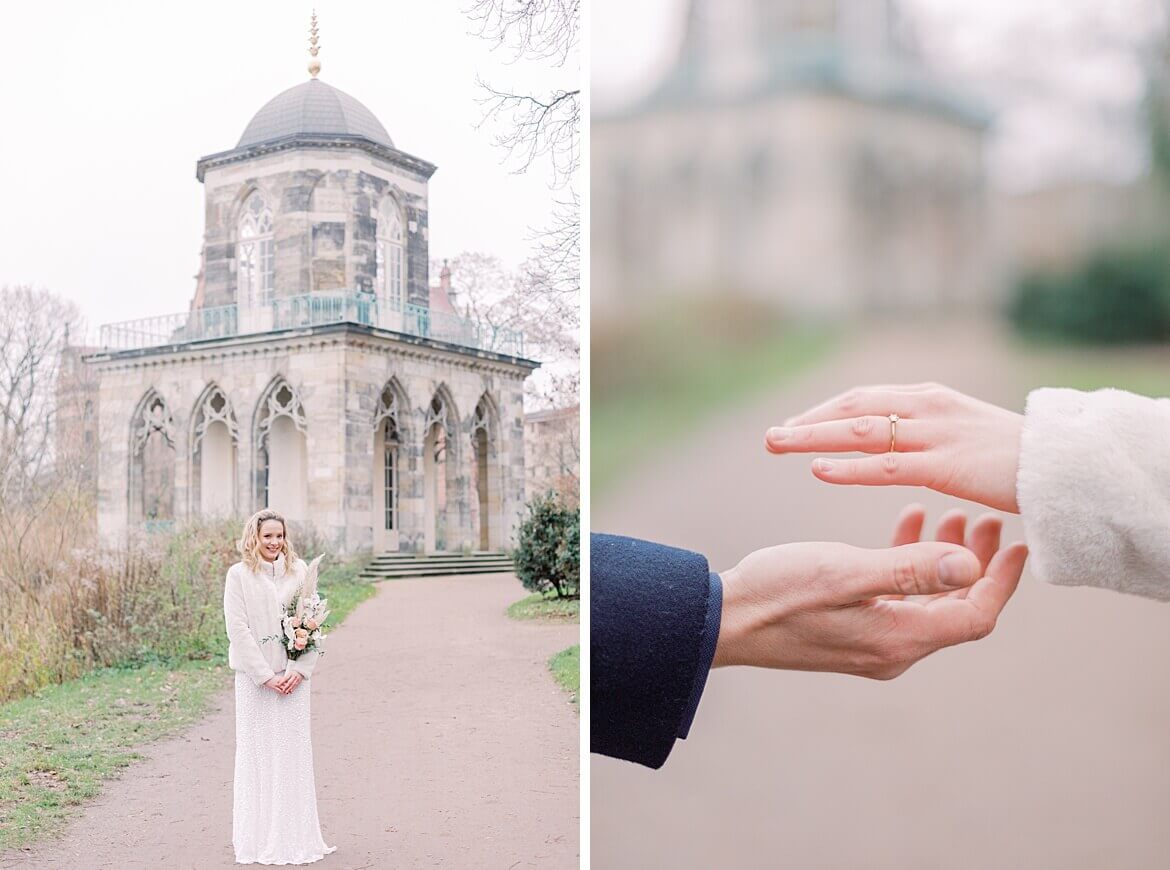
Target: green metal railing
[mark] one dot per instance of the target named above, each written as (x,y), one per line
(310,309)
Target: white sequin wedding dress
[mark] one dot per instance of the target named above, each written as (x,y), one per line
(274,807)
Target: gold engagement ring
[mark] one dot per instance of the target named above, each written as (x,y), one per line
(893,430)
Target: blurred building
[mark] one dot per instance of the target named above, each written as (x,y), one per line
(798,150)
(552,452)
(1055,228)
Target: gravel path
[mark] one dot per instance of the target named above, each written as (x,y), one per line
(440,740)
(1045,745)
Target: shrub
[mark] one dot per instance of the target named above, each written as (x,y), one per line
(158,600)
(1116,296)
(548,552)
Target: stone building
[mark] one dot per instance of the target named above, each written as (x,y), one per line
(313,373)
(552,452)
(75,422)
(800,151)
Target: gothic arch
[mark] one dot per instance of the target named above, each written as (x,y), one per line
(486,473)
(253,230)
(391,464)
(151,484)
(390,251)
(214,440)
(442,409)
(279,433)
(442,499)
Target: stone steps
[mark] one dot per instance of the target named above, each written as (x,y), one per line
(398,566)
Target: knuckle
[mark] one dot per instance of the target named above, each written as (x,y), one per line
(982,628)
(907,577)
(936,397)
(891,464)
(862,426)
(886,670)
(850,400)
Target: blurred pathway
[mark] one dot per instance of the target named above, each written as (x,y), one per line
(439,740)
(1044,746)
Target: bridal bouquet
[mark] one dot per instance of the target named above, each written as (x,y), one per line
(304,617)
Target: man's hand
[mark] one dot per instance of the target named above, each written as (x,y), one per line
(873,613)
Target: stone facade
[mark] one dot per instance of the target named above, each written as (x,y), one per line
(337,373)
(552,448)
(325,200)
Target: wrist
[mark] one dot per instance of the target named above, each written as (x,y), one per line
(732,625)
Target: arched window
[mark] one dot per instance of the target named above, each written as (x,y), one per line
(388,255)
(152,460)
(213,454)
(390,473)
(282,460)
(256,252)
(486,505)
(441,473)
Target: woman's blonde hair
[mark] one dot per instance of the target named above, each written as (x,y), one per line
(249,543)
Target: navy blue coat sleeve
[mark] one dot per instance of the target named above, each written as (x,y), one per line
(654,622)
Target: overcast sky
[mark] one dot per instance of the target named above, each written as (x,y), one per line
(1062,76)
(107,106)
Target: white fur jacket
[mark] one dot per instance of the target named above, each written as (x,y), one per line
(1094,489)
(253,605)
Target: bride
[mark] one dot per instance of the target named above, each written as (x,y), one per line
(274,807)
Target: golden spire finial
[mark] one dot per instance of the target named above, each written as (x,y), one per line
(314,64)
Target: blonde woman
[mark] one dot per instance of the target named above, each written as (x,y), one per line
(274,807)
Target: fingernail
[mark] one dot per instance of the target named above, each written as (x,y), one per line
(823,465)
(776,433)
(955,570)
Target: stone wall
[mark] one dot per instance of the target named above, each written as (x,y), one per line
(338,373)
(324,209)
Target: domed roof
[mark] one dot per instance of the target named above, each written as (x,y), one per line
(313,107)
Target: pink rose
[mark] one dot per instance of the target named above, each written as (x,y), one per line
(301,632)
(296,622)
(301,643)
(311,624)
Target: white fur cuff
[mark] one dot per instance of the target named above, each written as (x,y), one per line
(1094,489)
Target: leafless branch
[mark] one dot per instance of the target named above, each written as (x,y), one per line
(38,475)
(537,126)
(538,29)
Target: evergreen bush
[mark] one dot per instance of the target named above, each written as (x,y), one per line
(548,553)
(1116,296)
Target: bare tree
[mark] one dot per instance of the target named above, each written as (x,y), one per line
(497,299)
(540,125)
(40,489)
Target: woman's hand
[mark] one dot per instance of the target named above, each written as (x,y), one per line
(873,613)
(945,441)
(285,683)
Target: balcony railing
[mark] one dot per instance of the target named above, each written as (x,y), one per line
(312,309)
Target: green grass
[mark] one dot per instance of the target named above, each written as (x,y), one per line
(537,606)
(60,743)
(659,376)
(566,670)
